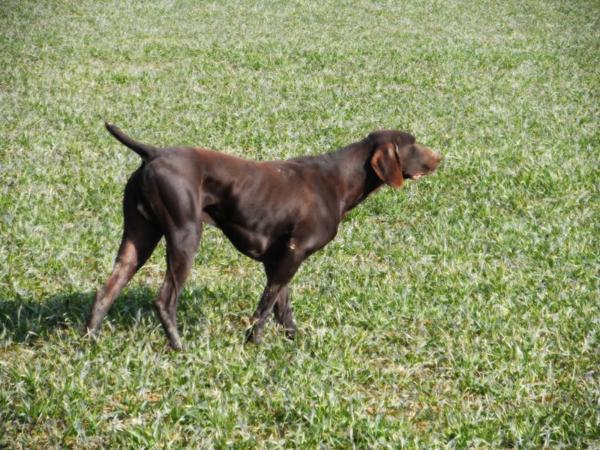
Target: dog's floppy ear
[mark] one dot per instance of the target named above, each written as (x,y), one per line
(386,164)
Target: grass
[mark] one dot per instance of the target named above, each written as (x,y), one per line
(461,311)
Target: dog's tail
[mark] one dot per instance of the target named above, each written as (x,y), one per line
(147,152)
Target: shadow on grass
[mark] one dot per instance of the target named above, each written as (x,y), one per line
(27,320)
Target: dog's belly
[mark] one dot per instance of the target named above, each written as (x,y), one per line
(259,238)
(252,244)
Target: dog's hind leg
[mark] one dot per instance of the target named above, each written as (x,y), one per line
(141,233)
(182,244)
(139,240)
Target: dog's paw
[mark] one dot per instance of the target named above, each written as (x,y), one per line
(176,345)
(253,335)
(290,333)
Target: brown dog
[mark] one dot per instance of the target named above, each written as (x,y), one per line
(278,212)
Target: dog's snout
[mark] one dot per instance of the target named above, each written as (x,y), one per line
(434,157)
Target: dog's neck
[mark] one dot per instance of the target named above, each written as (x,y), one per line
(355,175)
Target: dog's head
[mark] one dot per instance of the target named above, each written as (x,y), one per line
(396,156)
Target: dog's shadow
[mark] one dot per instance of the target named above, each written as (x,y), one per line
(27,320)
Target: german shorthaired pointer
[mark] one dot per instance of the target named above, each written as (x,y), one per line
(277,212)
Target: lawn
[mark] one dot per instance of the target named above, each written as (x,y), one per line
(460,311)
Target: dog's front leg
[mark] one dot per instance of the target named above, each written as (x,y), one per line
(278,276)
(284,314)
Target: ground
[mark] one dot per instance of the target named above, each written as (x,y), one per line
(461,311)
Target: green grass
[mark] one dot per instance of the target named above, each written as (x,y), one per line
(461,311)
